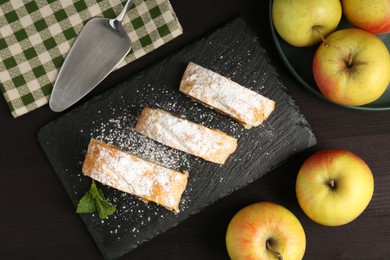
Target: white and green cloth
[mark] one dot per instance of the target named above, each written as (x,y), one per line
(35,37)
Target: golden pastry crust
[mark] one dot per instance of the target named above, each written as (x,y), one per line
(226,96)
(126,172)
(210,144)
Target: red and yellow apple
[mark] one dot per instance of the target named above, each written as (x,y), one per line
(352,67)
(305,22)
(265,230)
(370,15)
(334,187)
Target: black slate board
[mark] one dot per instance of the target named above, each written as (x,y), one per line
(233,51)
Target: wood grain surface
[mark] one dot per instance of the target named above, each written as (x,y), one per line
(37,219)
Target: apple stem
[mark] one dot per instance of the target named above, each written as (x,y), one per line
(315,27)
(332,183)
(350,59)
(273,251)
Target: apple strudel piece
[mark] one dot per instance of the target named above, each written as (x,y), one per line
(210,144)
(247,107)
(121,170)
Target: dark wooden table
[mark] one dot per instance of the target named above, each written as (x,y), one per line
(37,220)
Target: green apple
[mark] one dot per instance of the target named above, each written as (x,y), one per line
(305,22)
(265,230)
(370,15)
(352,67)
(334,187)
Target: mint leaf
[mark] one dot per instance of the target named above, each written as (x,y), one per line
(86,204)
(93,201)
(95,191)
(104,208)
(101,195)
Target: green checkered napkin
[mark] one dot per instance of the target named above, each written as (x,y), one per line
(35,36)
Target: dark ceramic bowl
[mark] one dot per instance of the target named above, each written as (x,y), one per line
(299,62)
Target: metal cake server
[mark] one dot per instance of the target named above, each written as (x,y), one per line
(101,45)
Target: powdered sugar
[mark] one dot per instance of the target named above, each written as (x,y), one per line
(240,103)
(123,171)
(211,145)
(120,132)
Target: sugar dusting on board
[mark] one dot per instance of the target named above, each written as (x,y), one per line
(119,130)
